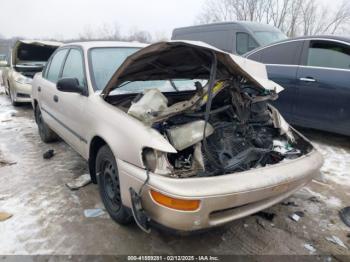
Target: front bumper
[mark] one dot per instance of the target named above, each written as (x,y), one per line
(21,92)
(223,198)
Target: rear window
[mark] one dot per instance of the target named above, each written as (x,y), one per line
(244,43)
(283,54)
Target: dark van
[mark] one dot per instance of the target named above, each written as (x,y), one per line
(234,37)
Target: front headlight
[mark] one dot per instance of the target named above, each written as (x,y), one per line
(22,79)
(156,161)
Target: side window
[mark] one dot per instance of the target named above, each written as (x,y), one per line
(256,56)
(46,68)
(328,54)
(56,65)
(284,54)
(74,66)
(244,43)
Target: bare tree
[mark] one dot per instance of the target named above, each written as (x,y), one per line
(102,32)
(87,33)
(109,32)
(159,36)
(294,17)
(139,36)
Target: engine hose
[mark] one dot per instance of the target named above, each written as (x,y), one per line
(212,79)
(218,110)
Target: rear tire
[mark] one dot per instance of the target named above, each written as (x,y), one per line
(109,186)
(45,132)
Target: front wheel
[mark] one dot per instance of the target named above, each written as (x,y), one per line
(12,96)
(45,132)
(109,186)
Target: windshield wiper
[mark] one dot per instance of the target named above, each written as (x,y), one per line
(173,85)
(125,83)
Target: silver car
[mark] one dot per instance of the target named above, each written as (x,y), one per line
(177,134)
(28,57)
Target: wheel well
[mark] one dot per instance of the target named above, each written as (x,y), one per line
(96,143)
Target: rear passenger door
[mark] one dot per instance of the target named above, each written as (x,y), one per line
(324,80)
(282,62)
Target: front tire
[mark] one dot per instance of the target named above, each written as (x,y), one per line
(109,186)
(45,132)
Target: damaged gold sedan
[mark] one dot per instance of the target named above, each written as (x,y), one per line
(182,136)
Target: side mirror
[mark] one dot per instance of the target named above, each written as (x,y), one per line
(70,85)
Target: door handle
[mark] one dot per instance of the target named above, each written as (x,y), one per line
(307,79)
(55,98)
(39,88)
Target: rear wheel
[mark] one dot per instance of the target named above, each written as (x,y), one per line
(45,132)
(109,186)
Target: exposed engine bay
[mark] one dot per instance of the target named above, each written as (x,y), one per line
(229,127)
(224,126)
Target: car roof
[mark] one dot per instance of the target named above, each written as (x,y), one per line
(332,37)
(92,44)
(254,26)
(314,37)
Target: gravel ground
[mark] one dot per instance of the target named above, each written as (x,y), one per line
(48,218)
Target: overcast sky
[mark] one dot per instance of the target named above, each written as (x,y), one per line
(64,19)
(68,18)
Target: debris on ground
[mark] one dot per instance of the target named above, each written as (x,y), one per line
(79,182)
(294,217)
(289,203)
(344,215)
(4,197)
(4,216)
(48,154)
(337,241)
(261,223)
(266,215)
(310,248)
(6,163)
(300,213)
(95,212)
(314,199)
(6,120)
(6,117)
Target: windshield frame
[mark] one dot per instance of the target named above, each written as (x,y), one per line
(90,66)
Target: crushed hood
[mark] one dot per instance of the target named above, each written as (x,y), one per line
(33,50)
(187,59)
